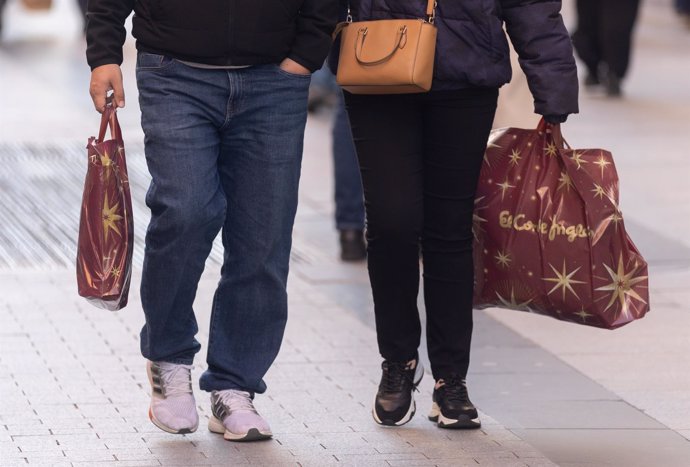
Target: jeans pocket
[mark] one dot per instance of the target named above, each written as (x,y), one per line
(149,61)
(296,76)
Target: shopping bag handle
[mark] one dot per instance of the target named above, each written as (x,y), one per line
(109,119)
(554,129)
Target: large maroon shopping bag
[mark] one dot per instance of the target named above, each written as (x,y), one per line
(105,246)
(549,235)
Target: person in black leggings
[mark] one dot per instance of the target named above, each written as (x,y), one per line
(420,157)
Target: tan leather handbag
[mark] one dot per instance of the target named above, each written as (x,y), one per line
(389,56)
(37,4)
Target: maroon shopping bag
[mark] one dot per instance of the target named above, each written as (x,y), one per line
(105,246)
(549,236)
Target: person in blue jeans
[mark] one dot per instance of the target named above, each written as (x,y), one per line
(223,96)
(349,198)
(348,195)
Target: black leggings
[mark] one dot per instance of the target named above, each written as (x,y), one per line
(420,156)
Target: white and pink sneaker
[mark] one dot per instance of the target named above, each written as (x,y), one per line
(235,417)
(173,408)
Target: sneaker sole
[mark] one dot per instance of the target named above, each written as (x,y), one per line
(410,412)
(253,434)
(167,429)
(464,422)
(406,418)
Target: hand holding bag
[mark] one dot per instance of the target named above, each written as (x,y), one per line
(106,231)
(549,236)
(391,56)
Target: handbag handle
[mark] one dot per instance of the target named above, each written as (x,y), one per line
(109,119)
(359,46)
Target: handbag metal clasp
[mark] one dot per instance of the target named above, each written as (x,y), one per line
(432,17)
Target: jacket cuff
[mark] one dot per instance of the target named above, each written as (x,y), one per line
(105,61)
(305,62)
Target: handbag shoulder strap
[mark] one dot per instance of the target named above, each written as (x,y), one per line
(430,17)
(430,12)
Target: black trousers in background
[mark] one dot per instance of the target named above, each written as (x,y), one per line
(420,156)
(604,34)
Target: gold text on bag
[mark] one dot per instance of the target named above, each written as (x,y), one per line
(390,56)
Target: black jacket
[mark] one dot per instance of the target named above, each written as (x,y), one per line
(215,32)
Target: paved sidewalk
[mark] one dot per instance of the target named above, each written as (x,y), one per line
(73,389)
(74,392)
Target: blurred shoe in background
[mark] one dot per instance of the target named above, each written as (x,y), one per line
(352,246)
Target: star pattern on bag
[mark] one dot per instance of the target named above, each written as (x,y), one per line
(563,280)
(486,153)
(550,149)
(598,191)
(505,186)
(622,287)
(477,220)
(578,160)
(503,259)
(564,181)
(583,315)
(515,157)
(111,218)
(602,163)
(513,303)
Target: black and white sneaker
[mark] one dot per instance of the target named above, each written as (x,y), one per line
(394,404)
(452,407)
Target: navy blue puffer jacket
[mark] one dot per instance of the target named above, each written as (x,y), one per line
(472,48)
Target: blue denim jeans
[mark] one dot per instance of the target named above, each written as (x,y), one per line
(349,199)
(224,150)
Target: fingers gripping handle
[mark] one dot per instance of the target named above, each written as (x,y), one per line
(109,119)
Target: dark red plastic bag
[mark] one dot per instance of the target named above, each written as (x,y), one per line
(106,236)
(549,237)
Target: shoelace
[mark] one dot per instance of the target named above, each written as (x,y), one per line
(394,375)
(236,401)
(176,379)
(455,389)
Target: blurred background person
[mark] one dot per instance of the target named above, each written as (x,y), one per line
(349,199)
(603,40)
(683,9)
